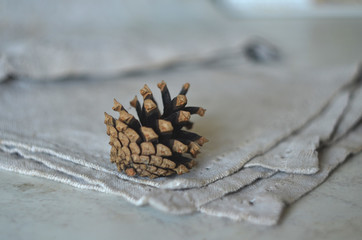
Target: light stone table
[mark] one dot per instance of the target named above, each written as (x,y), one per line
(34,208)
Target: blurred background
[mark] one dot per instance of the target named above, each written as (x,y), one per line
(52,40)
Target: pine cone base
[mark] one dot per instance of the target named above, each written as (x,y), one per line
(154,146)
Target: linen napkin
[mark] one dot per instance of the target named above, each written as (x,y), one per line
(182,201)
(64,120)
(75,153)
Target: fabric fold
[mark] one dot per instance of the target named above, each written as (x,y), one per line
(298,154)
(353,112)
(264,201)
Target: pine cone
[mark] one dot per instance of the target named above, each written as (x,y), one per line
(154,146)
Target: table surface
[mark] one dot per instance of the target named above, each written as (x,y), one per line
(34,208)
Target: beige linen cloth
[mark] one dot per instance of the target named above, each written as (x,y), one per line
(56,131)
(46,41)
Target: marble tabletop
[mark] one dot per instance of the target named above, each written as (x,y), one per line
(34,208)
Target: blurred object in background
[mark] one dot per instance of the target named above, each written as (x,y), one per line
(6,71)
(261,51)
(290,8)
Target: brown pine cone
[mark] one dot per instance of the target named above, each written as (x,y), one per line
(154,146)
